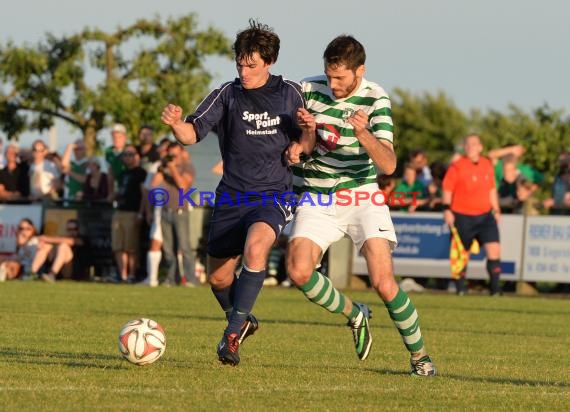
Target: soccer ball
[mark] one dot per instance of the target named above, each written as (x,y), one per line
(142,341)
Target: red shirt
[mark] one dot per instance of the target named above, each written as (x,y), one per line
(470,185)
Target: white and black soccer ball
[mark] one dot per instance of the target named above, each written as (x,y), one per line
(142,341)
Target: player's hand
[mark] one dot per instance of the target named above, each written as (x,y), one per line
(293,153)
(171,115)
(359,121)
(306,120)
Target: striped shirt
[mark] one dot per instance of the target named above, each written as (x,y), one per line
(338,160)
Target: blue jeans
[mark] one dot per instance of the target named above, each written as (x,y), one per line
(175,224)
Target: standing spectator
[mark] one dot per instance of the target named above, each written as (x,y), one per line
(115,164)
(44,175)
(255,117)
(74,169)
(14,180)
(153,218)
(58,253)
(125,225)
(351,119)
(175,176)
(96,185)
(471,205)
(147,148)
(434,189)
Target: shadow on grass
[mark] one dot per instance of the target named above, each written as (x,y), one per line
(478,379)
(73,360)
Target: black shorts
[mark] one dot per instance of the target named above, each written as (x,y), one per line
(483,227)
(229,225)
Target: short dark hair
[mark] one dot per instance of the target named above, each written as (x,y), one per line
(345,50)
(258,38)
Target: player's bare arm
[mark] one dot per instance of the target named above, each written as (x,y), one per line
(183,132)
(381,152)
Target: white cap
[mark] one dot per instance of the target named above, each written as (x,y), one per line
(119,128)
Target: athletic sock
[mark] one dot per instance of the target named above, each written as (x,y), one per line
(405,317)
(153,259)
(494,271)
(248,286)
(319,290)
(225,297)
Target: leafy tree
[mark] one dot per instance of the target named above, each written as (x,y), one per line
(94,78)
(429,122)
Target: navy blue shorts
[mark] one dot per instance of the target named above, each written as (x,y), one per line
(483,227)
(229,225)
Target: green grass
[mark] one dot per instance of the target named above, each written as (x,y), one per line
(58,352)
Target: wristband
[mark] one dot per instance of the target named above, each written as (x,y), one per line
(446,207)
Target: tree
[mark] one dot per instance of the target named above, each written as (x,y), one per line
(91,79)
(429,122)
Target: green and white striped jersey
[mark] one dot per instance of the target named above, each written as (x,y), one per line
(338,160)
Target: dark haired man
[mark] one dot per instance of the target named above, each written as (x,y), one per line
(255,117)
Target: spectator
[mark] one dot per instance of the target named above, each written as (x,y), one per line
(517,151)
(559,203)
(152,215)
(410,192)
(27,243)
(434,189)
(175,173)
(96,185)
(18,265)
(56,255)
(75,170)
(44,174)
(14,180)
(126,220)
(419,161)
(511,185)
(147,148)
(115,164)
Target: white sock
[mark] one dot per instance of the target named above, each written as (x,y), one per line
(153,259)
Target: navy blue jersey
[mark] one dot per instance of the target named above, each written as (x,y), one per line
(254,128)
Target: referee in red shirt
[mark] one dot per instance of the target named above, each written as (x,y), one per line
(471,205)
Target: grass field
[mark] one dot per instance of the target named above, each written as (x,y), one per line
(58,352)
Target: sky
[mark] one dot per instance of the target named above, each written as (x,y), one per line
(483,54)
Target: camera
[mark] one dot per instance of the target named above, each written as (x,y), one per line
(167,159)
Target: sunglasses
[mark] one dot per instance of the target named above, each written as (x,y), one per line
(36,149)
(24,228)
(129,154)
(71,229)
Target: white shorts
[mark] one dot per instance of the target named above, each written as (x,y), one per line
(155,227)
(359,219)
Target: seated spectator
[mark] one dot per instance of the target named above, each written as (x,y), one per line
(55,254)
(14,181)
(96,184)
(419,161)
(44,174)
(19,265)
(410,192)
(74,169)
(434,189)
